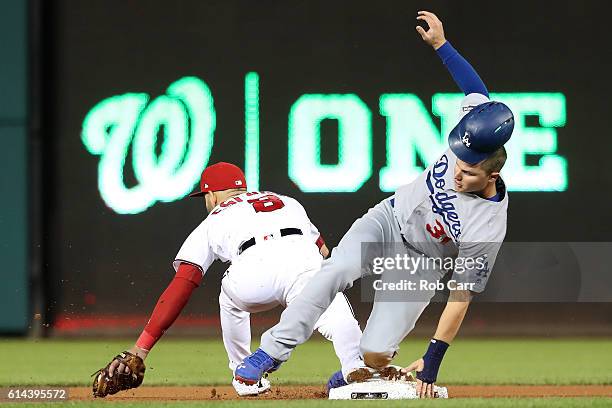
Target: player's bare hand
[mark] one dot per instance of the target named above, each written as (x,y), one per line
(423,390)
(435,35)
(119,367)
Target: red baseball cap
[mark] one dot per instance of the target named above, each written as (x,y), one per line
(220,176)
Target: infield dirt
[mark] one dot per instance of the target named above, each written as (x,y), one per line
(295,392)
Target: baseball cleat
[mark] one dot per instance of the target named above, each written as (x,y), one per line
(253,368)
(335,381)
(245,390)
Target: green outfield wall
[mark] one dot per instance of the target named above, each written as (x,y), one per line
(13,167)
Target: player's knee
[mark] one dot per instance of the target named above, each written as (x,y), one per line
(377,359)
(375,354)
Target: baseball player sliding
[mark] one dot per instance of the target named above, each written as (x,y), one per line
(274,250)
(456,207)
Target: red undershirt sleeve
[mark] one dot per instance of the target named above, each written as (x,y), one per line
(170,304)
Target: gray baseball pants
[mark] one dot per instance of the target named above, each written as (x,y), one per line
(389,322)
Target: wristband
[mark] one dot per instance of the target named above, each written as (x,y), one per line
(433,358)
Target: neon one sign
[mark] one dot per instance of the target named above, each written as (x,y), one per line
(188,117)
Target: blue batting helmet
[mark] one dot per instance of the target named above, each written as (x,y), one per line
(486,128)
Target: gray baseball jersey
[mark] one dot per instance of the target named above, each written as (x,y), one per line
(440,222)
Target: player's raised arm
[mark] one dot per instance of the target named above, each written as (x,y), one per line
(462,72)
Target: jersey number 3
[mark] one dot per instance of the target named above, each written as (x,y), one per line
(266,203)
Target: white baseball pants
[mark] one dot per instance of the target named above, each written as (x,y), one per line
(273,273)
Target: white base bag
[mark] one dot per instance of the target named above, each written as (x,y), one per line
(376,389)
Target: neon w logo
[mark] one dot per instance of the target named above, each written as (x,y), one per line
(187,115)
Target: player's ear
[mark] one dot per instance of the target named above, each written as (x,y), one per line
(209,197)
(493,177)
(213,198)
